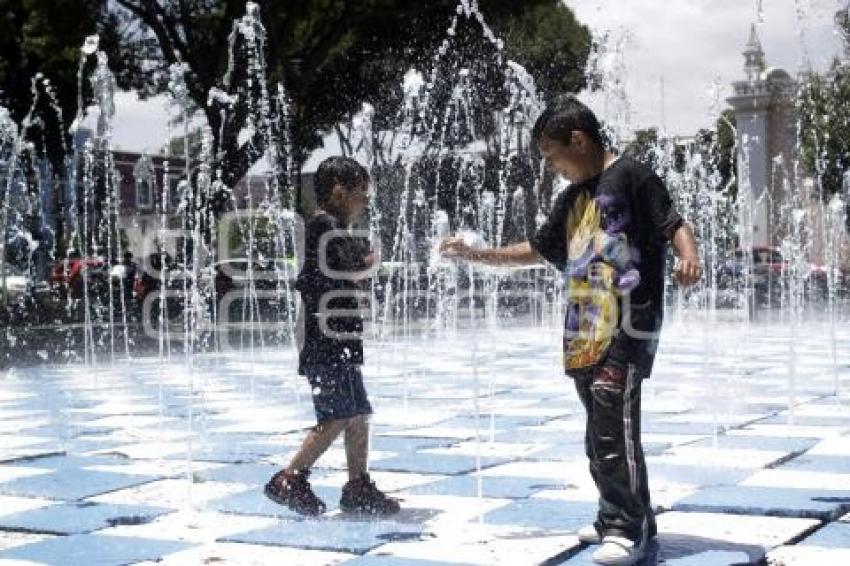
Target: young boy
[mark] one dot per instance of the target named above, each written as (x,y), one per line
(333,349)
(608,233)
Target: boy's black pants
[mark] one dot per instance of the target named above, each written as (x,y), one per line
(611,397)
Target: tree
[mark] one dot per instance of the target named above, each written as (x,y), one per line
(330,56)
(825,127)
(40,44)
(725,152)
(716,146)
(644,148)
(824,120)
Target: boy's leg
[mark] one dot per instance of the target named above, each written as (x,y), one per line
(290,486)
(315,444)
(331,391)
(582,384)
(357,445)
(616,456)
(357,429)
(645,497)
(360,494)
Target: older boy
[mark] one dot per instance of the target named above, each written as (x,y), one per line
(333,349)
(608,234)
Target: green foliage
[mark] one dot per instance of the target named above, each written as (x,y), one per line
(551,44)
(45,36)
(260,232)
(825,127)
(717,148)
(177,145)
(725,152)
(643,148)
(332,56)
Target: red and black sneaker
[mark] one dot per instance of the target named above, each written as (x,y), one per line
(361,496)
(293,490)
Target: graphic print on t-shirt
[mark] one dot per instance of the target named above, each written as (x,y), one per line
(600,268)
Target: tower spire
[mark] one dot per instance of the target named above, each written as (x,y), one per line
(753,55)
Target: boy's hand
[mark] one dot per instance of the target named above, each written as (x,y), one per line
(688,271)
(373,259)
(455,248)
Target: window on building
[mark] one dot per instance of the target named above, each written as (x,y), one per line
(144,193)
(144,175)
(174,191)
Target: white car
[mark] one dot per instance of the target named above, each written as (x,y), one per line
(17,283)
(262,271)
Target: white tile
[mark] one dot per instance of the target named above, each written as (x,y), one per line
(767,532)
(240,554)
(808,556)
(837,446)
(192,526)
(791,479)
(10,504)
(171,493)
(720,457)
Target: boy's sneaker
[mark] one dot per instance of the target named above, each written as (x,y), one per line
(362,496)
(619,551)
(293,490)
(589,535)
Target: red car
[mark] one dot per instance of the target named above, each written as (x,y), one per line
(68,272)
(767,262)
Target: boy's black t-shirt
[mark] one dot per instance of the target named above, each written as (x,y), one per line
(608,236)
(342,253)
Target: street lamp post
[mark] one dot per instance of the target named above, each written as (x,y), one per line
(845,193)
(842,22)
(4,221)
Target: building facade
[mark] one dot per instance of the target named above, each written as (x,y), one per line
(151,188)
(764,105)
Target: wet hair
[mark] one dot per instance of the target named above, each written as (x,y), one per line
(338,171)
(564,115)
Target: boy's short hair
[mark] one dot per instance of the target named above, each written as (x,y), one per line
(564,115)
(338,171)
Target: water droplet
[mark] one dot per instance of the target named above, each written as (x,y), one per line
(91,44)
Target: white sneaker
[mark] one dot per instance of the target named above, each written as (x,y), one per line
(589,535)
(619,551)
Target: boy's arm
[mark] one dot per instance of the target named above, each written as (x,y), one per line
(664,221)
(688,269)
(516,254)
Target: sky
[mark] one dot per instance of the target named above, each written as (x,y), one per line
(688,45)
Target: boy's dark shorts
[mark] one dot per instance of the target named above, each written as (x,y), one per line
(338,392)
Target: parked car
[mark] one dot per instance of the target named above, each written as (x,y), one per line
(17,283)
(764,265)
(70,275)
(768,263)
(818,281)
(239,271)
(233,274)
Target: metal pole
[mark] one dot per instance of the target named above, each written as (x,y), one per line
(3,225)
